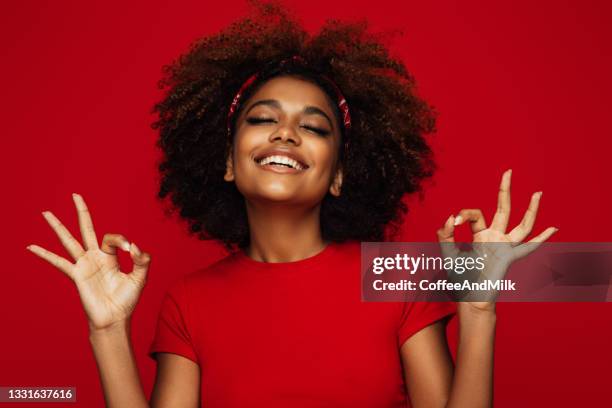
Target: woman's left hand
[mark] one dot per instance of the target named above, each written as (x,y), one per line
(507,247)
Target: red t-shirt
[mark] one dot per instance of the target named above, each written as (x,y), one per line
(291,334)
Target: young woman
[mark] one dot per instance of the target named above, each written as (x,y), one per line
(290,149)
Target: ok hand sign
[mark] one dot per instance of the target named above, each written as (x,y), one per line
(498,247)
(108,295)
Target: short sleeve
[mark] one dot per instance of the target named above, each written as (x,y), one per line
(418,315)
(172,334)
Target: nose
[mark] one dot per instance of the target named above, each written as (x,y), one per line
(286,134)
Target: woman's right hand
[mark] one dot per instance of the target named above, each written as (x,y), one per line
(108,295)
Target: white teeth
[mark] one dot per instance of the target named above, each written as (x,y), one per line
(280,160)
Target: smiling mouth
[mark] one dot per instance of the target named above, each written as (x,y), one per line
(280,163)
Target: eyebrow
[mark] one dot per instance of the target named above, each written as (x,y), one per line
(309,110)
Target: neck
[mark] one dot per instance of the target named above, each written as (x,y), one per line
(283,234)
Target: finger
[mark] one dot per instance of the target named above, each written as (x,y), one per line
(502,215)
(87,229)
(531,245)
(141,263)
(447,239)
(445,234)
(60,263)
(474,217)
(110,243)
(521,231)
(73,246)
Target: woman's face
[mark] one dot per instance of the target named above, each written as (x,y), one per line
(286,144)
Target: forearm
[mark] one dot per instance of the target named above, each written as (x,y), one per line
(117,367)
(473,380)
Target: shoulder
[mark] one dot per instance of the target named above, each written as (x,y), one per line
(204,284)
(225,265)
(347,251)
(217,271)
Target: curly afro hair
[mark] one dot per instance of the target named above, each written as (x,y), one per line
(385,154)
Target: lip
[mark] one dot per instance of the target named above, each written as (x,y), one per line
(275,151)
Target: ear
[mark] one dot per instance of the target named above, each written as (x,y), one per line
(229,166)
(336,185)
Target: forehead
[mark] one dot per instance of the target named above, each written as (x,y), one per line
(294,91)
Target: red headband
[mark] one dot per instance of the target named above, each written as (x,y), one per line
(340,99)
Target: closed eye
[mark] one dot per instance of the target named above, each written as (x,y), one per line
(319,131)
(255,121)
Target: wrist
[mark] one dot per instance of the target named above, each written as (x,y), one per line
(466,310)
(116,328)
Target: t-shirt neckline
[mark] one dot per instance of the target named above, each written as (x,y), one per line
(301,264)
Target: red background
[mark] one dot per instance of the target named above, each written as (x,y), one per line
(522,85)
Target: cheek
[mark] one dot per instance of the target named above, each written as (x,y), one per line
(244,145)
(325,159)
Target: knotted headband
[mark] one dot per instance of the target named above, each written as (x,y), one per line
(340,99)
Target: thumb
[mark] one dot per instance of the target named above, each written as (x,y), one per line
(141,263)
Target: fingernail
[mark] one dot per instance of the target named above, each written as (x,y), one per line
(556,229)
(126,246)
(509,171)
(136,249)
(458,220)
(28,247)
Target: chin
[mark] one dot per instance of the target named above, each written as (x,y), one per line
(279,191)
(278,195)
(282,196)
